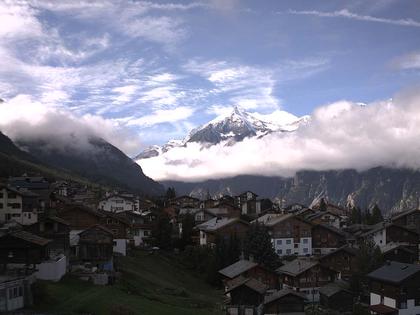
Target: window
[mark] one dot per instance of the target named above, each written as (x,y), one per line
(16,215)
(288,251)
(296,245)
(1,195)
(279,252)
(11,195)
(147,233)
(108,221)
(305,241)
(14,205)
(305,250)
(288,242)
(119,201)
(1,206)
(279,242)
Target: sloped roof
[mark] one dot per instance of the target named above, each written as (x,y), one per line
(218,223)
(57,219)
(334,287)
(333,229)
(297,266)
(271,219)
(345,248)
(31,238)
(394,272)
(383,225)
(404,213)
(251,283)
(237,268)
(281,293)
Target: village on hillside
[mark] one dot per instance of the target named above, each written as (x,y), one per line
(322,259)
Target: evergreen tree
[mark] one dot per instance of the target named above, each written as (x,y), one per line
(188,224)
(376,215)
(170,193)
(323,205)
(259,246)
(369,257)
(367,217)
(356,215)
(162,231)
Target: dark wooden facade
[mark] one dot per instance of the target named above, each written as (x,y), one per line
(55,229)
(291,227)
(396,233)
(288,303)
(95,245)
(342,260)
(237,229)
(341,301)
(22,247)
(80,217)
(403,254)
(409,219)
(324,237)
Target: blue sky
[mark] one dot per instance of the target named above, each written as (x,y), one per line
(157,69)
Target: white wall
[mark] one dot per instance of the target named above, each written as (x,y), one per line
(281,246)
(116,204)
(203,238)
(52,270)
(375,299)
(120,246)
(411,309)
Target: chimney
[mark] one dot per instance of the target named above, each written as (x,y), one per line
(251,258)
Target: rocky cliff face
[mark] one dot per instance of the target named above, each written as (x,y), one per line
(392,189)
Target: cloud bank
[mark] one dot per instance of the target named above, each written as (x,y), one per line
(340,135)
(23,118)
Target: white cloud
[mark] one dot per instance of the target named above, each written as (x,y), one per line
(340,135)
(407,62)
(17,21)
(22,117)
(354,16)
(163,116)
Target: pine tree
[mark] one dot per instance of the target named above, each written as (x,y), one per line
(376,215)
(323,205)
(162,231)
(188,224)
(170,193)
(258,245)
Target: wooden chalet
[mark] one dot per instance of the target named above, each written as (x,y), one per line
(306,275)
(327,238)
(337,296)
(394,289)
(250,269)
(245,292)
(80,217)
(410,219)
(285,301)
(93,245)
(55,229)
(400,252)
(341,260)
(22,247)
(222,228)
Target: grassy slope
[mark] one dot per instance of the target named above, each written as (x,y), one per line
(151,284)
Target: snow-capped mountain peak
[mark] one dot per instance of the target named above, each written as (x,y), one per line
(233,127)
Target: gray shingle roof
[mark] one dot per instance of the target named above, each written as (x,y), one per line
(334,287)
(251,283)
(279,294)
(237,268)
(394,272)
(297,266)
(217,223)
(404,213)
